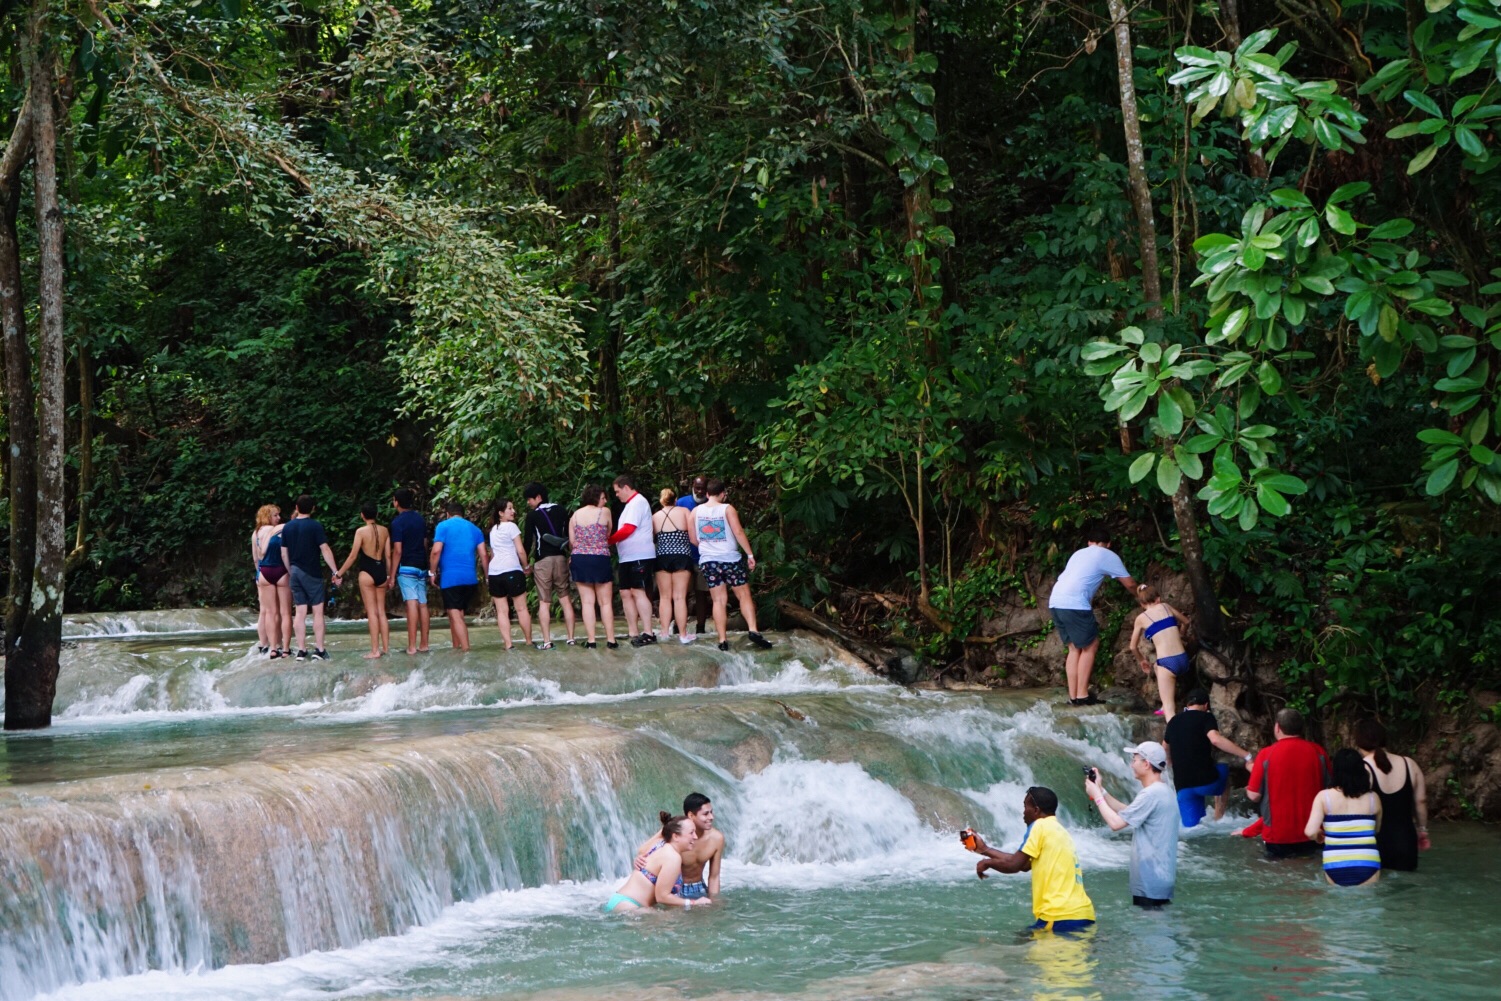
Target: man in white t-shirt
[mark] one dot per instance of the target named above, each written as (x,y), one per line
(1071,604)
(636,551)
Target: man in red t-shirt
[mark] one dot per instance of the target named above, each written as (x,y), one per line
(1285,779)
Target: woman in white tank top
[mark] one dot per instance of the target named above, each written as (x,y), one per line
(716,531)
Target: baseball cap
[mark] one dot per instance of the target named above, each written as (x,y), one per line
(1151,750)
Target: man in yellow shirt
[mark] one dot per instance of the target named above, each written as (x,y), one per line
(1059,902)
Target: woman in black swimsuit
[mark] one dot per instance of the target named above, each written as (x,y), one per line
(371,553)
(1404,799)
(674,563)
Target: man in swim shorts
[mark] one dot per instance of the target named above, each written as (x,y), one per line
(304,547)
(701,862)
(546,535)
(1071,605)
(1059,902)
(458,548)
(1191,739)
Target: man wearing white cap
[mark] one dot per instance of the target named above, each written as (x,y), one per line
(1153,816)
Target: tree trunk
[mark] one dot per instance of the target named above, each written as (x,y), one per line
(85,453)
(31,667)
(20,401)
(1207,616)
(1136,165)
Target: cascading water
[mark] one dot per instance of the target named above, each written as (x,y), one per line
(203,823)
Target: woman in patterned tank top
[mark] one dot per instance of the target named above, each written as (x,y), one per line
(589,532)
(674,563)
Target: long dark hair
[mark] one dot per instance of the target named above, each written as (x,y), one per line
(1351,776)
(1370,737)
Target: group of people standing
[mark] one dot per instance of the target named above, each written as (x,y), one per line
(697,540)
(1363,810)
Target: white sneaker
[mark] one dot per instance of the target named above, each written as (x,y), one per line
(685,640)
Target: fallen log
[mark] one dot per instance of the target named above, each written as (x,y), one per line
(898,665)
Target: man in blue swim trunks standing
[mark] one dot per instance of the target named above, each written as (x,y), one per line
(1191,739)
(1071,605)
(409,556)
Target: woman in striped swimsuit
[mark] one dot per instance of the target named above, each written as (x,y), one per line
(1349,815)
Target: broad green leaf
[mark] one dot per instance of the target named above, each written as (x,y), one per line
(1345,192)
(1169,476)
(1169,414)
(1099,349)
(1392,229)
(1438,436)
(1481,455)
(1423,103)
(1339,220)
(1271,501)
(1141,466)
(1269,378)
(1213,241)
(1132,335)
(1423,159)
(1440,478)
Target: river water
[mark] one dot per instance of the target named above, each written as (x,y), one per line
(202,823)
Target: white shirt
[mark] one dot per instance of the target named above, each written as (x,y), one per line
(503,558)
(716,543)
(639,544)
(1082,576)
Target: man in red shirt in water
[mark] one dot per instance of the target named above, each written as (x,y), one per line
(1285,779)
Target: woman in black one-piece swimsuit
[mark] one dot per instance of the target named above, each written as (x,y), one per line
(371,554)
(1404,799)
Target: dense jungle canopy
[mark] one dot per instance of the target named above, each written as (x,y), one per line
(933,284)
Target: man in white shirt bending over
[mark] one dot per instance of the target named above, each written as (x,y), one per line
(1073,613)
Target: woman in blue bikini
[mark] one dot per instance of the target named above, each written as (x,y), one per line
(1158,622)
(660,878)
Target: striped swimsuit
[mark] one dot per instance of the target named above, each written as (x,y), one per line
(1350,853)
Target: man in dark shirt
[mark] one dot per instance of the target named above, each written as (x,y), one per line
(302,542)
(1192,736)
(409,566)
(549,563)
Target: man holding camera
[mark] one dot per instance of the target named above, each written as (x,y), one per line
(1153,816)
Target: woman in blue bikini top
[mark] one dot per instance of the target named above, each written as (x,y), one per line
(1159,623)
(659,878)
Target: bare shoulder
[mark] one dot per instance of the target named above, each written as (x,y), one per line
(714,841)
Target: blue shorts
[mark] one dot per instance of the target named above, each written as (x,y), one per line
(413,584)
(1075,626)
(1062,927)
(1177,663)
(1192,803)
(694,891)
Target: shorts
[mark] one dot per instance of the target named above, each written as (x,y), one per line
(511,584)
(413,584)
(724,574)
(1075,626)
(694,891)
(1063,927)
(272,574)
(674,563)
(307,589)
(1177,663)
(591,570)
(458,597)
(551,575)
(635,575)
(1150,903)
(1192,803)
(1293,849)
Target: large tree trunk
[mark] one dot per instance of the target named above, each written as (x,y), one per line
(1207,617)
(31,667)
(20,402)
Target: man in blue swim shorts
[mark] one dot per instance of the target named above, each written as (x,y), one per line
(700,862)
(1192,737)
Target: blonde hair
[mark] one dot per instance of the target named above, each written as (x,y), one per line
(1148,593)
(265,514)
(667,496)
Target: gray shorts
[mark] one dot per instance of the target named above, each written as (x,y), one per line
(1075,626)
(307,589)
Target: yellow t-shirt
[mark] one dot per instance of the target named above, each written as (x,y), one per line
(1057,884)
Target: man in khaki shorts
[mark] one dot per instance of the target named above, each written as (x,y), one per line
(546,527)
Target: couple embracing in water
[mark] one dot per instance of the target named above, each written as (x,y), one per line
(679,865)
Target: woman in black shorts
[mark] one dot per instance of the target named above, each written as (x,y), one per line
(507,571)
(674,563)
(589,533)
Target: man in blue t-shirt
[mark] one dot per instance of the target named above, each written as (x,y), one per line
(458,547)
(1071,604)
(698,495)
(409,566)
(303,542)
